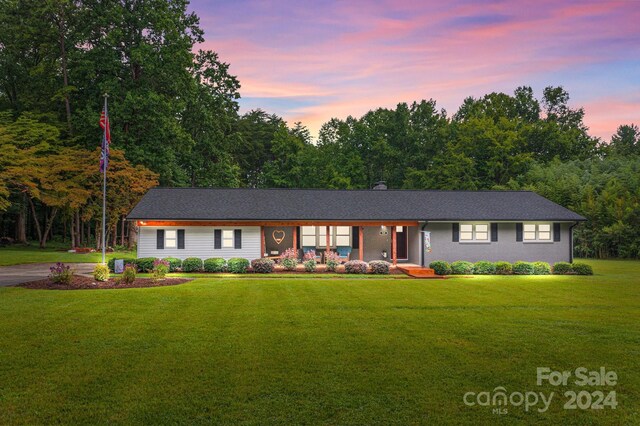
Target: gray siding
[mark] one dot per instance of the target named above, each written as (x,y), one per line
(414,245)
(374,243)
(506,248)
(198,242)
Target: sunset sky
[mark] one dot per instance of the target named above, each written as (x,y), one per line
(311,61)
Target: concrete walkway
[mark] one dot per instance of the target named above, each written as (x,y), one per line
(16,274)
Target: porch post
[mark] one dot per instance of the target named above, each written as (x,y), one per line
(394,246)
(361,242)
(295,239)
(262,242)
(328,240)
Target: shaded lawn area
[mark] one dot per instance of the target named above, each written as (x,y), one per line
(18,254)
(323,351)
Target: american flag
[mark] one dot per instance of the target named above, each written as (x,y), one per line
(106,139)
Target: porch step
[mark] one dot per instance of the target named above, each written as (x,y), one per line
(419,272)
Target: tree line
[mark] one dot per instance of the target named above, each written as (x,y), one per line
(176,122)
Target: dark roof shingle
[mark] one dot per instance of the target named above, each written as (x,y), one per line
(321,204)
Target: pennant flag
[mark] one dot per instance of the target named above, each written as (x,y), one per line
(106,139)
(427,242)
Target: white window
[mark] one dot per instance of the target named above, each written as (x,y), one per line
(537,232)
(482,232)
(466,232)
(322,236)
(474,232)
(343,236)
(308,236)
(316,236)
(529,231)
(227,238)
(544,231)
(170,238)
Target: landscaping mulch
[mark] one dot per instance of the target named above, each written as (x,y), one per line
(80,282)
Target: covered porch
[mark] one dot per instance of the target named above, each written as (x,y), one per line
(392,241)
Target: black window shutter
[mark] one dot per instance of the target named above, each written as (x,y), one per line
(455,227)
(217,239)
(518,231)
(237,238)
(181,238)
(494,232)
(160,239)
(355,237)
(299,235)
(556,232)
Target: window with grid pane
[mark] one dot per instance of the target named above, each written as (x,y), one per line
(474,232)
(308,236)
(227,238)
(343,236)
(537,232)
(529,231)
(170,238)
(544,231)
(466,232)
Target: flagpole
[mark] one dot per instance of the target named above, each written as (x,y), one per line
(104,183)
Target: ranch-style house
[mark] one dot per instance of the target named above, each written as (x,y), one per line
(400,226)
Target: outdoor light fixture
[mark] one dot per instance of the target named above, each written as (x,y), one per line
(383,230)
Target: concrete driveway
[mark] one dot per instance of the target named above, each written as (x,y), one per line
(11,275)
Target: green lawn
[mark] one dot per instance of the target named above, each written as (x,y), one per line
(15,255)
(317,351)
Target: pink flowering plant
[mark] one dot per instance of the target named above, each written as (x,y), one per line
(61,273)
(310,261)
(332,260)
(356,267)
(160,269)
(289,259)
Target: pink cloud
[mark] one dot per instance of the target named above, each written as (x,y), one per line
(604,115)
(350,57)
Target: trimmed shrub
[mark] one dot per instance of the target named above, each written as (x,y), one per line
(503,268)
(111,263)
(61,273)
(237,265)
(310,261)
(192,264)
(145,264)
(101,272)
(160,269)
(379,267)
(174,263)
(523,268)
(541,268)
(582,268)
(332,260)
(289,259)
(310,265)
(440,267)
(262,266)
(129,274)
(484,267)
(562,268)
(355,267)
(461,267)
(215,264)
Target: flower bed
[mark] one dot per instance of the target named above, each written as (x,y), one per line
(79,282)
